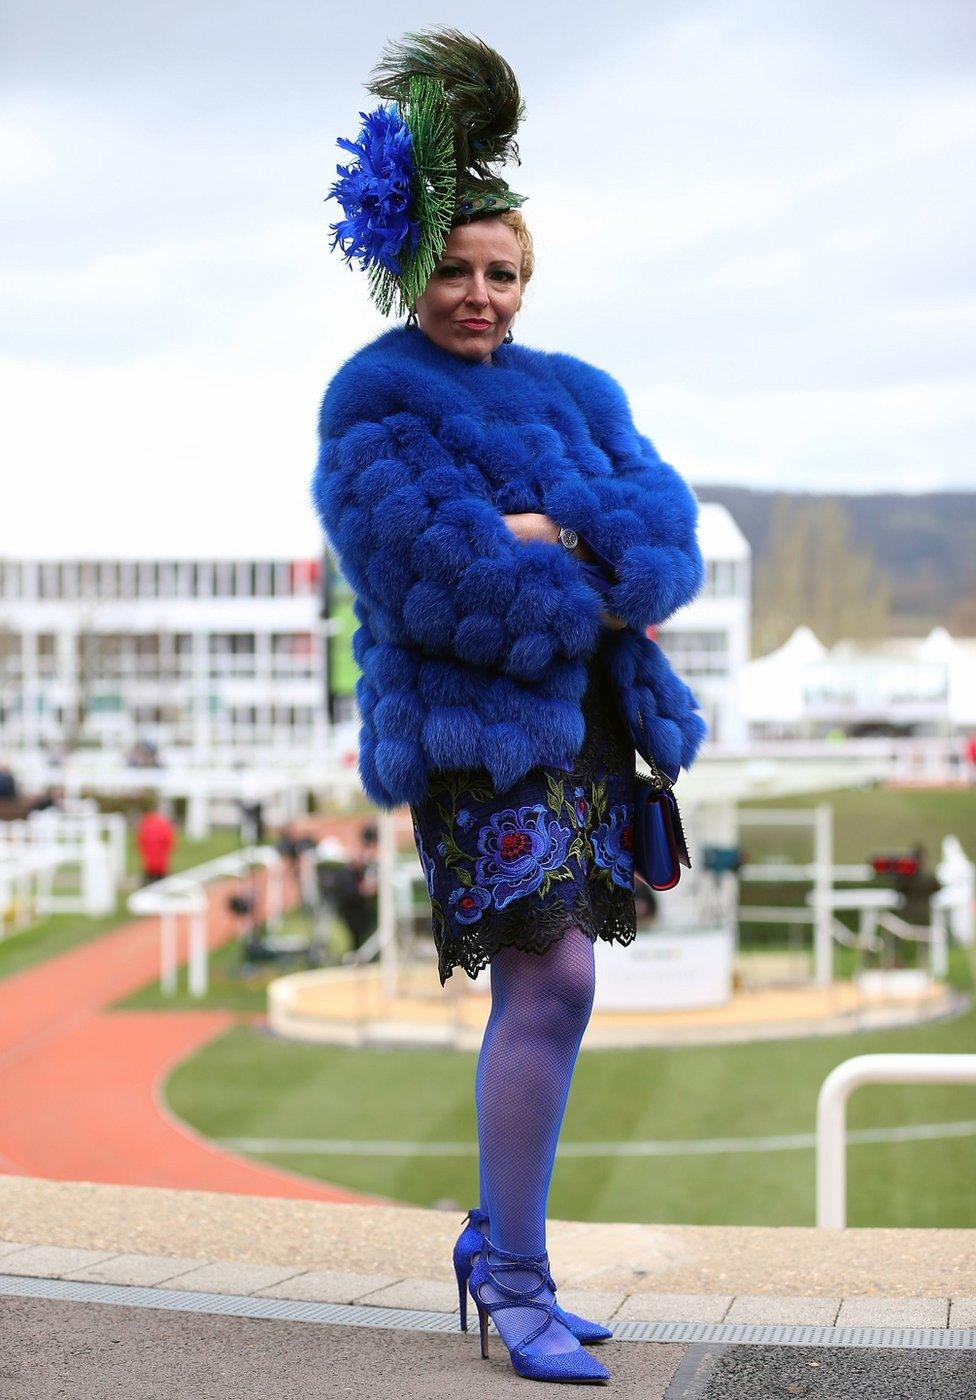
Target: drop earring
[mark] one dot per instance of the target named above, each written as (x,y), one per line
(412,320)
(508,337)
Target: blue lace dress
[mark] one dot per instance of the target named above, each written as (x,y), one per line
(554,851)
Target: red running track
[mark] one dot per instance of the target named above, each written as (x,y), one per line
(80,1086)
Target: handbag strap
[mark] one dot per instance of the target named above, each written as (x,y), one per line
(660,775)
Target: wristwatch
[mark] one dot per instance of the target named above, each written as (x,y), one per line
(568,538)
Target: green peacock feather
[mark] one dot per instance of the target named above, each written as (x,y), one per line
(481,91)
(461,104)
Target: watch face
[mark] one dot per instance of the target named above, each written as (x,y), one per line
(569,538)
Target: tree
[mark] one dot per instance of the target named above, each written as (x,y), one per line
(812,572)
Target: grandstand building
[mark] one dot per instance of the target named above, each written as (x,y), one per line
(215,655)
(205,654)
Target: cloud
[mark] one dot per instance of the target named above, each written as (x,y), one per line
(752,214)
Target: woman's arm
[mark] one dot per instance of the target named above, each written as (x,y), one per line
(644,516)
(436,563)
(533,525)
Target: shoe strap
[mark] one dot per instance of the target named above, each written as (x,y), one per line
(518,1298)
(534,1263)
(476,1216)
(527,1293)
(528,1261)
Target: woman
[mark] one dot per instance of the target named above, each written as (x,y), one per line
(500,650)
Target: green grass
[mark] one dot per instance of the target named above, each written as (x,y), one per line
(59,932)
(248,1083)
(869,820)
(251,1084)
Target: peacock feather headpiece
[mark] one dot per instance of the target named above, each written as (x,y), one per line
(424,160)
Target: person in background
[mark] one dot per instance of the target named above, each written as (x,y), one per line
(252,822)
(970,756)
(357,898)
(155,839)
(918,890)
(292,843)
(52,796)
(646,903)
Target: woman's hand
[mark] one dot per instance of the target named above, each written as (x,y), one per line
(609,619)
(533,525)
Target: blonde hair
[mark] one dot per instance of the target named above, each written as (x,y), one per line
(513,218)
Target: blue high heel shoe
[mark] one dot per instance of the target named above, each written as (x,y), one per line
(470,1242)
(576,1365)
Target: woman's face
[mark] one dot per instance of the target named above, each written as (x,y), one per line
(475,290)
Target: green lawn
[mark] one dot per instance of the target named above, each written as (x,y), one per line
(59,932)
(872,819)
(251,1084)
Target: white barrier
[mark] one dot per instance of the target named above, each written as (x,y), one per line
(837,1088)
(36,851)
(184,894)
(951,907)
(820,819)
(23,876)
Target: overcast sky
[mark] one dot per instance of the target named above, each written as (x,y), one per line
(757,214)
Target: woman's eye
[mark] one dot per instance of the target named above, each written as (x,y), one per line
(448,271)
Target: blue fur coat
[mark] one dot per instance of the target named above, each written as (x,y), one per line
(473,645)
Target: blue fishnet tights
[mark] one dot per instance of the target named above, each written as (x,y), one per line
(540,1007)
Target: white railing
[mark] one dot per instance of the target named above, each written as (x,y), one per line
(950,908)
(837,1088)
(931,761)
(59,862)
(184,894)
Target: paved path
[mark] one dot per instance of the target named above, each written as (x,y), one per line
(63,1351)
(236,1295)
(80,1086)
(54,1350)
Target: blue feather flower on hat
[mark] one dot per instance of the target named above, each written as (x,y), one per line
(376,193)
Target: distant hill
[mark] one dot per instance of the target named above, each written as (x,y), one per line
(925,544)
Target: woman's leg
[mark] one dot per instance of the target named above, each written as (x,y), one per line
(541,1005)
(483,1059)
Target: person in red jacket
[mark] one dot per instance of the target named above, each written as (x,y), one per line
(155,838)
(970,754)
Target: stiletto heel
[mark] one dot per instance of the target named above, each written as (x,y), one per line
(576,1365)
(468,1244)
(466,1249)
(483,1324)
(463,1303)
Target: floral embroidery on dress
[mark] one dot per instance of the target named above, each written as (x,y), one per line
(613,844)
(522,866)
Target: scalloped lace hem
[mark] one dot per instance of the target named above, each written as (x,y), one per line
(535,928)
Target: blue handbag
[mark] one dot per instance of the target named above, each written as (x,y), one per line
(660,849)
